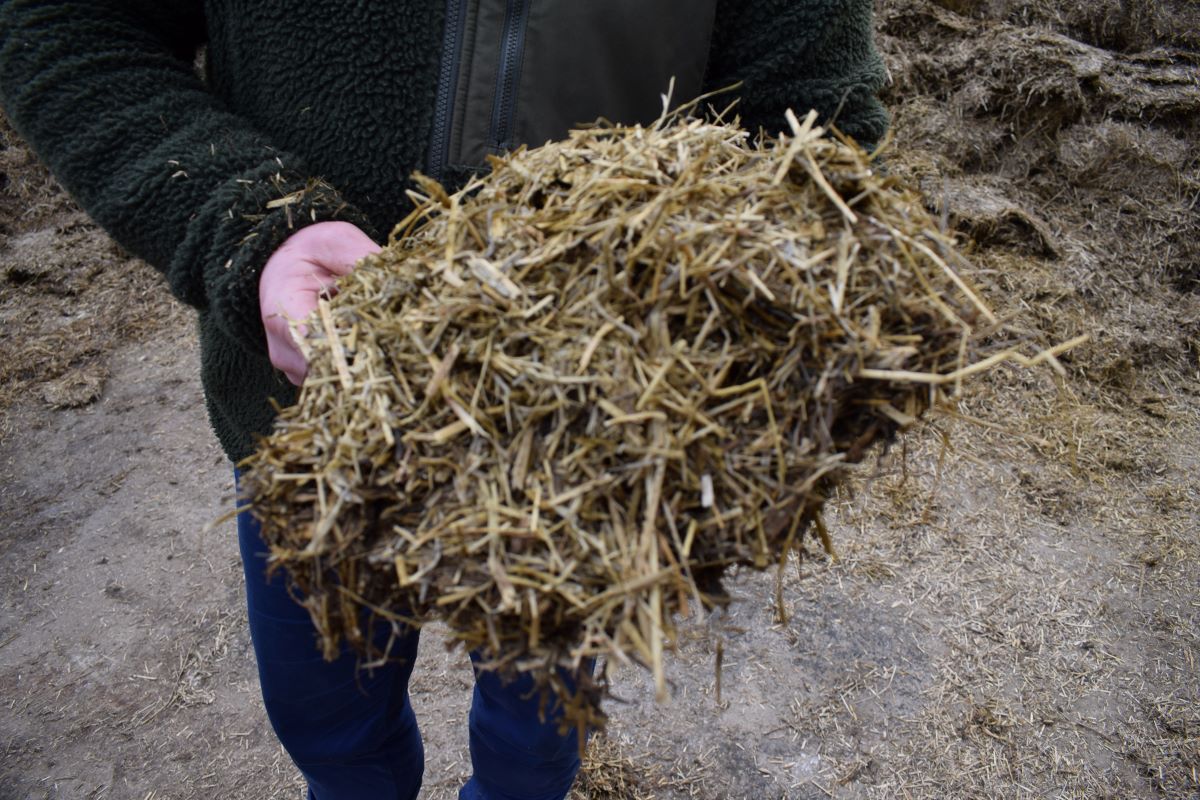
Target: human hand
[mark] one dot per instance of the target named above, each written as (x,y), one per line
(304,267)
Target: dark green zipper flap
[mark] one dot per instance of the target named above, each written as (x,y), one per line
(443,110)
(527,71)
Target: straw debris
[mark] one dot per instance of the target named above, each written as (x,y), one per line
(564,401)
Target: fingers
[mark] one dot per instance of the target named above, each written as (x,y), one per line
(339,246)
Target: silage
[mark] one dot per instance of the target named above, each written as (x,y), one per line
(563,402)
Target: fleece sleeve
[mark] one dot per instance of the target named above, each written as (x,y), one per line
(800,54)
(106,93)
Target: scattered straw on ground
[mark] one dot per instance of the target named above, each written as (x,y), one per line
(68,294)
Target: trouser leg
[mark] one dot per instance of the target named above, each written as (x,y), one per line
(351,733)
(515,754)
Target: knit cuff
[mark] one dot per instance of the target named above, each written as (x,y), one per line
(244,227)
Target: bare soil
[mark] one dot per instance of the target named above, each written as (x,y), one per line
(1016,607)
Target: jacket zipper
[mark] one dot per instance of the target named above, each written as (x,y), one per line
(443,110)
(508,76)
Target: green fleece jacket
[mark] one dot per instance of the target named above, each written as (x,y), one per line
(321,110)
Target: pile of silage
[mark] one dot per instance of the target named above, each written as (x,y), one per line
(560,404)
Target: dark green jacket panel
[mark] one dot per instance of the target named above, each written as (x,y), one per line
(347,85)
(810,54)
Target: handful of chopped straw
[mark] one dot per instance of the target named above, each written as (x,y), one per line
(562,402)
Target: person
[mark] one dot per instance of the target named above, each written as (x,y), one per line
(255,181)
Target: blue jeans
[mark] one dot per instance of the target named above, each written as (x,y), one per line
(352,733)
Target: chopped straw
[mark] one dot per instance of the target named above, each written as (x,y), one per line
(564,401)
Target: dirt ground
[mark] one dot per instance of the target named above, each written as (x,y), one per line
(1016,608)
